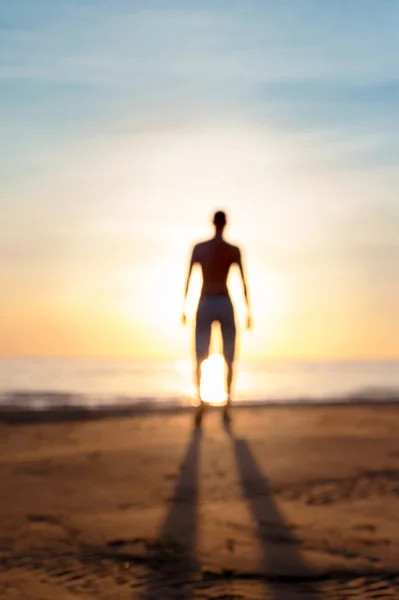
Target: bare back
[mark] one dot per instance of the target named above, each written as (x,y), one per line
(215,257)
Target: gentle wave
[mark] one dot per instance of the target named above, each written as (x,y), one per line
(40,385)
(56,400)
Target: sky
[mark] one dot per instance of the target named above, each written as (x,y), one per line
(125,124)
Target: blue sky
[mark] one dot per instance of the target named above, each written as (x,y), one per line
(124,123)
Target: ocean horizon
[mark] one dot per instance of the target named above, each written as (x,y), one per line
(43,383)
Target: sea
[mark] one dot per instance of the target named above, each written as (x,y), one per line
(43,383)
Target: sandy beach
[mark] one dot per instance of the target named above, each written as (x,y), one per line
(291,502)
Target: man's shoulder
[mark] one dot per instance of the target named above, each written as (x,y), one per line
(202,245)
(198,249)
(199,246)
(233,246)
(235,250)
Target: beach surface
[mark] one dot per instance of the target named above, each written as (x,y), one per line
(290,502)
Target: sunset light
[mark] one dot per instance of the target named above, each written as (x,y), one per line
(199,299)
(101,209)
(212,383)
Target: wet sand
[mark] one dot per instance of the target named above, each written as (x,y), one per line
(291,502)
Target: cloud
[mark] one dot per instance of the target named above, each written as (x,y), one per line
(72,67)
(103,43)
(83,85)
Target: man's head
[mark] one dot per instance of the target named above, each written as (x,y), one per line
(219,221)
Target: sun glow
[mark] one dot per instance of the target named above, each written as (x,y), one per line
(212,380)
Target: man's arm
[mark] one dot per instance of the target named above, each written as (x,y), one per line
(190,268)
(245,288)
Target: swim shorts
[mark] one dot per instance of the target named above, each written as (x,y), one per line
(215,309)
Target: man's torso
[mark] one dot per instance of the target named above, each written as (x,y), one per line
(215,257)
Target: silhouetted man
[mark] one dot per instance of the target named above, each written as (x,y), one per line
(215,257)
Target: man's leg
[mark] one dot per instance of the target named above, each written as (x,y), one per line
(199,412)
(202,342)
(229,379)
(228,329)
(198,378)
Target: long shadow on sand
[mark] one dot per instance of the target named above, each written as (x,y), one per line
(282,563)
(175,564)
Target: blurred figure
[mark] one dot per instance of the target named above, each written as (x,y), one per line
(215,257)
